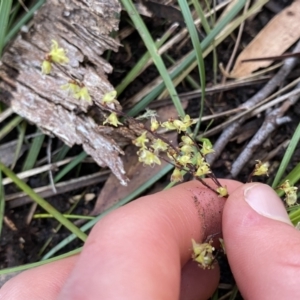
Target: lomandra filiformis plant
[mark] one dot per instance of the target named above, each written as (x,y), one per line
(189,157)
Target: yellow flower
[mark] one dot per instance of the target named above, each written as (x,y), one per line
(109,97)
(148,158)
(261,168)
(199,159)
(168,125)
(159,145)
(203,168)
(154,124)
(172,154)
(187,149)
(291,198)
(222,191)
(203,254)
(290,193)
(183,124)
(71,87)
(179,125)
(57,54)
(141,140)
(112,119)
(187,140)
(206,147)
(183,160)
(83,94)
(176,175)
(187,121)
(46,67)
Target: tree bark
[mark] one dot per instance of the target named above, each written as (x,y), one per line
(83,28)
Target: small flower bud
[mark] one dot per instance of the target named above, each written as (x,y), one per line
(187,149)
(168,125)
(222,191)
(154,124)
(46,67)
(187,121)
(112,120)
(290,193)
(141,140)
(83,94)
(176,176)
(183,160)
(57,54)
(71,87)
(179,125)
(261,168)
(148,158)
(109,97)
(206,147)
(159,145)
(204,169)
(186,140)
(203,254)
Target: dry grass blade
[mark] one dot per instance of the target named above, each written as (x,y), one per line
(21,198)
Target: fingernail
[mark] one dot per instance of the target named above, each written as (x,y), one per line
(265,202)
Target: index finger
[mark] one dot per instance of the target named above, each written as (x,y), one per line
(137,251)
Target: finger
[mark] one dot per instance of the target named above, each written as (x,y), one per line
(43,282)
(137,252)
(194,281)
(49,279)
(262,245)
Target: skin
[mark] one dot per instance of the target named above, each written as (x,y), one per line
(143,251)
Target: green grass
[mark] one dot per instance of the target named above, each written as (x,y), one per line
(149,43)
(43,203)
(2,203)
(5,8)
(199,55)
(286,160)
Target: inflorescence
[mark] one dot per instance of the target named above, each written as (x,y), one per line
(189,157)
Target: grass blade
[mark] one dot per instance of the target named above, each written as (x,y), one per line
(70,166)
(201,15)
(33,152)
(189,59)
(62,153)
(16,28)
(140,65)
(10,126)
(287,157)
(199,56)
(149,43)
(39,263)
(43,203)
(5,8)
(2,203)
(22,132)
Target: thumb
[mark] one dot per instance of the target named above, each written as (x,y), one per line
(262,245)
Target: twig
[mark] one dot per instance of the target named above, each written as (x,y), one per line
(38,170)
(49,162)
(21,198)
(272,121)
(260,107)
(5,114)
(263,93)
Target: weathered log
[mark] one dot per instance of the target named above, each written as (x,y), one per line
(82,28)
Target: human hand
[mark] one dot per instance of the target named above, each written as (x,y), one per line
(143,250)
